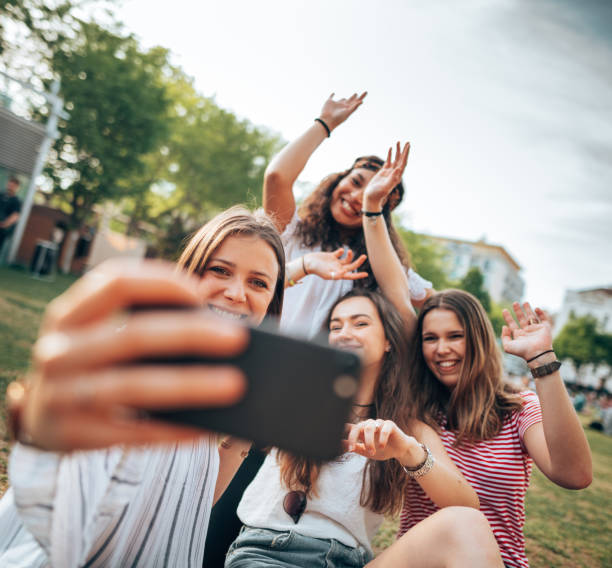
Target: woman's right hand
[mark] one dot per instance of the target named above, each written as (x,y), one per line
(384,440)
(332,265)
(334,113)
(85,390)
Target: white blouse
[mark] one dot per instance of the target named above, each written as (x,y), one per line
(334,512)
(146,506)
(307,304)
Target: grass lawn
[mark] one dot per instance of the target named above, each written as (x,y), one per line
(563,528)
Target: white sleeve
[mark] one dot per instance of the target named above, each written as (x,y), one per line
(418,285)
(287,236)
(57,496)
(18,548)
(33,477)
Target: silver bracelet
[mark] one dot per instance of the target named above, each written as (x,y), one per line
(423,468)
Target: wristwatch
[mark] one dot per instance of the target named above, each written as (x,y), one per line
(548,369)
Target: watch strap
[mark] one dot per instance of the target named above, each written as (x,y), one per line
(544,370)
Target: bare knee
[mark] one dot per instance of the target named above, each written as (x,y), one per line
(468,536)
(461,523)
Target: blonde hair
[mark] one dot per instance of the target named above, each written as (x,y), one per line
(236,220)
(480,402)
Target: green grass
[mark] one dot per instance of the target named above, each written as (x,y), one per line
(22,302)
(564,528)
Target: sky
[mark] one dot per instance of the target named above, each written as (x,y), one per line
(507,105)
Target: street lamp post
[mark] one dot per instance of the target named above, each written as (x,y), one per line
(56,111)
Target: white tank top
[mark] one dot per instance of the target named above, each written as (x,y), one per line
(334,513)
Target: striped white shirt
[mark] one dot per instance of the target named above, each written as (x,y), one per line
(499,471)
(118,507)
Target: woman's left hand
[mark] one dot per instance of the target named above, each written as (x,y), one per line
(383,440)
(530,336)
(386,179)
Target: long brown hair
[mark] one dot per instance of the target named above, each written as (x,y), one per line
(236,220)
(384,482)
(317,226)
(480,402)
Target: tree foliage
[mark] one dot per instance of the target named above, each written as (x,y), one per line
(427,257)
(473,282)
(210,160)
(118,109)
(582,341)
(47,23)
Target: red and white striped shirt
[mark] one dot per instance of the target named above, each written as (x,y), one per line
(499,471)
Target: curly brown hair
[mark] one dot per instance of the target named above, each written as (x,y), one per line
(317,227)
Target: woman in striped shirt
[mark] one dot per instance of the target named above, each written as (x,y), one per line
(491,431)
(102,502)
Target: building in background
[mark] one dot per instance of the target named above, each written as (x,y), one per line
(596,302)
(501,272)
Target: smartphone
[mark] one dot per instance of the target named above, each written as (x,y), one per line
(298,398)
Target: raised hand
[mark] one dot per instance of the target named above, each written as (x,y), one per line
(383,440)
(382,184)
(530,336)
(84,379)
(331,265)
(335,113)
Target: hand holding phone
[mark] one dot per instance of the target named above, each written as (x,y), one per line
(298,396)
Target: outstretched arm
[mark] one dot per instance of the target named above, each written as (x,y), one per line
(383,440)
(386,266)
(287,165)
(557,444)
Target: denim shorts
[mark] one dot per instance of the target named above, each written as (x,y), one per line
(256,548)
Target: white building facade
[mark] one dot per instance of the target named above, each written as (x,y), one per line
(502,278)
(596,302)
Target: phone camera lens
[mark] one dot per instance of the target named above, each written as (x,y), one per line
(345,386)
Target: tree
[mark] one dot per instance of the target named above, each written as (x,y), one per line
(497,318)
(427,257)
(218,159)
(210,160)
(473,282)
(46,23)
(118,113)
(581,341)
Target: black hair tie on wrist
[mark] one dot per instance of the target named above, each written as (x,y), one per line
(322,122)
(543,352)
(371,213)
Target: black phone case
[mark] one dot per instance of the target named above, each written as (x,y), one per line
(298,397)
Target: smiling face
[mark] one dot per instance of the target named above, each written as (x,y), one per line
(444,345)
(355,326)
(239,278)
(347,197)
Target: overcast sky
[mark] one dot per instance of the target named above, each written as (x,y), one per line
(507,105)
